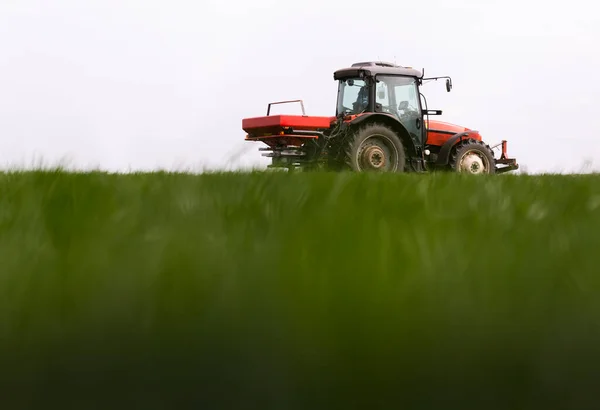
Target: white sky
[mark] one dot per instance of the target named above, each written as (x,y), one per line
(132,84)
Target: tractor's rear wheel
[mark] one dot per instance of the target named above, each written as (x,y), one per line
(473,157)
(374,148)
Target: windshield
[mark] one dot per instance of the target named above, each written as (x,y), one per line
(353,96)
(399,96)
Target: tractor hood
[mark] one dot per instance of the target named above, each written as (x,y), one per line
(438,132)
(445,127)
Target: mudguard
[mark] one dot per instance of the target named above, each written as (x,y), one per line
(392,122)
(444,154)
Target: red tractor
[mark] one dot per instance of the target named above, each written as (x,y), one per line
(381,124)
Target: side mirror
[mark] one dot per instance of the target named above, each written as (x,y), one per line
(448,85)
(403,105)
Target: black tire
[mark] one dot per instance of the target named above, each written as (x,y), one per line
(482,163)
(374,148)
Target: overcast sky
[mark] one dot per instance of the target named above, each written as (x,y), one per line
(132,84)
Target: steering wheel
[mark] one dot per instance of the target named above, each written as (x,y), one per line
(408,114)
(388,108)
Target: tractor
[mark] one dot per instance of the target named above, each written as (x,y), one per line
(381,124)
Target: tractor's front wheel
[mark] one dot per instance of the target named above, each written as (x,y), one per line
(375,148)
(473,157)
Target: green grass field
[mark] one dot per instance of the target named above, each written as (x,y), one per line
(299,291)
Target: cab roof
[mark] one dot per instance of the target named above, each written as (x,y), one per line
(372,68)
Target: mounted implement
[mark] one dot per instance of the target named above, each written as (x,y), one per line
(381,124)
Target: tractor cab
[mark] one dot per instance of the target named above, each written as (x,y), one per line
(382,89)
(367,88)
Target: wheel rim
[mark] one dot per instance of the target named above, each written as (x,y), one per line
(473,162)
(377,153)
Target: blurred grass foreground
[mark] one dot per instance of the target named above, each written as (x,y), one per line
(299,291)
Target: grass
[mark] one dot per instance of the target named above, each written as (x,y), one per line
(299,290)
